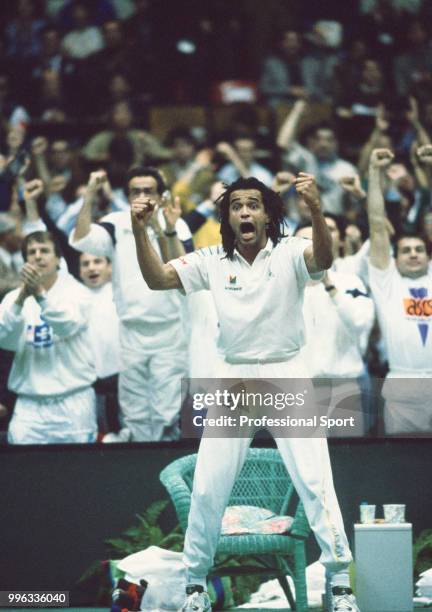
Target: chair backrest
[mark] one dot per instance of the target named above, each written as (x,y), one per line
(263,482)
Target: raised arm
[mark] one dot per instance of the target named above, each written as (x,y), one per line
(289,128)
(39,147)
(156,274)
(318,256)
(96,181)
(381,127)
(413,117)
(424,155)
(202,160)
(32,191)
(231,155)
(379,253)
(421,174)
(169,243)
(32,221)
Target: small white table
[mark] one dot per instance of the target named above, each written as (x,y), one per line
(384,570)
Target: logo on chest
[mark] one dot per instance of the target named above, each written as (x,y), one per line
(418,308)
(232,283)
(40,336)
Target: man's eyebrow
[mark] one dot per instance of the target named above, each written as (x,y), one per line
(250,198)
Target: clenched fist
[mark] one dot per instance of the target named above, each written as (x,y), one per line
(96,180)
(32,190)
(352,184)
(381,158)
(142,211)
(306,187)
(39,146)
(424,154)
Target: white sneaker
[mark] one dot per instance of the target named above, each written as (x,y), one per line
(124,435)
(197,600)
(343,600)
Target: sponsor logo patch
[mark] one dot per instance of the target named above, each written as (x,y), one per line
(232,286)
(419,308)
(40,336)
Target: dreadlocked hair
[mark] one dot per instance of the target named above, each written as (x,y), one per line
(273,205)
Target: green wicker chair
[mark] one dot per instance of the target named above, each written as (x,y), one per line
(263,482)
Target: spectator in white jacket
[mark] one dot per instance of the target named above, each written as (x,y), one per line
(45,323)
(338,315)
(152,342)
(95,273)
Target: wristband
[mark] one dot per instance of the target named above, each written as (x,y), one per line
(329,288)
(170,234)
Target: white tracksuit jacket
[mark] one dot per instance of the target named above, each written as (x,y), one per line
(52,353)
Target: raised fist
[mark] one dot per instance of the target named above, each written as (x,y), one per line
(381,158)
(96,181)
(424,154)
(142,211)
(39,146)
(33,189)
(224,148)
(306,186)
(352,184)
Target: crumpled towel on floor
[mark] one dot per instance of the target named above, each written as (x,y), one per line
(270,594)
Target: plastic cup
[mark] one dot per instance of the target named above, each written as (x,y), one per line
(394,513)
(367,513)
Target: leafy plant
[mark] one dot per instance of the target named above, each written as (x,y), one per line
(146,532)
(422,551)
(139,536)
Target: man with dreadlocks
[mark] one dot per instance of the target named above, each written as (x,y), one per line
(261,333)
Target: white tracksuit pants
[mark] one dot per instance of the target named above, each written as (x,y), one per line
(307,460)
(153,362)
(59,419)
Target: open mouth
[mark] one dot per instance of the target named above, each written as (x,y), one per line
(93,277)
(247,229)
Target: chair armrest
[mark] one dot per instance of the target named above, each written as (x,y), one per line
(300,527)
(172,479)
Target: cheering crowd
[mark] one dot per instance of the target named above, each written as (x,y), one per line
(89,351)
